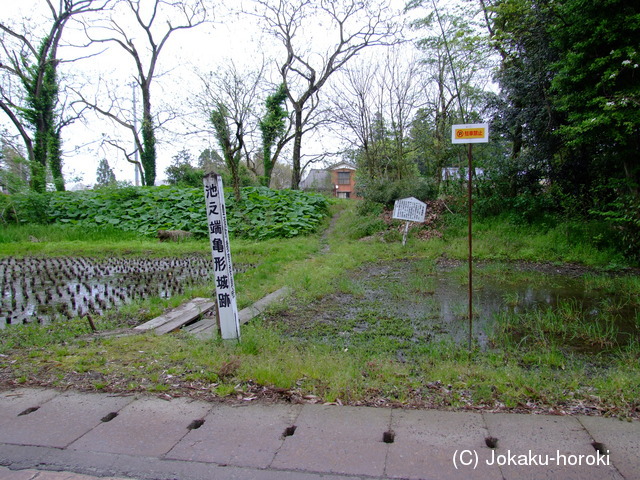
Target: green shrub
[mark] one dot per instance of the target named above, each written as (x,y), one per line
(623,217)
(262,213)
(386,192)
(30,207)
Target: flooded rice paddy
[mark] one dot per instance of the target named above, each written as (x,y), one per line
(406,305)
(43,289)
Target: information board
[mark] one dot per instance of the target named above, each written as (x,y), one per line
(410,209)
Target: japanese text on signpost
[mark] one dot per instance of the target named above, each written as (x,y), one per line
(221,252)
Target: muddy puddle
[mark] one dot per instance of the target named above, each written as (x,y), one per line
(41,290)
(416,303)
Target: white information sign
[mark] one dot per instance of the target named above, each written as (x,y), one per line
(470,133)
(223,269)
(410,209)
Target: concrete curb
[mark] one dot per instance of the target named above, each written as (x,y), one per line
(148,438)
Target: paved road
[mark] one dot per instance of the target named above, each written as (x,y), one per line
(51,435)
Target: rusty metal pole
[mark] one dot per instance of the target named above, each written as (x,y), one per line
(469,193)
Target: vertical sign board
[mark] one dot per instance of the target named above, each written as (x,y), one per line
(470,133)
(223,269)
(410,209)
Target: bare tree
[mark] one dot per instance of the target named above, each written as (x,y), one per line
(373,106)
(347,27)
(355,101)
(142,29)
(230,102)
(29,90)
(457,63)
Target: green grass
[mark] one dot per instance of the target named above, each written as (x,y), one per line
(349,359)
(496,239)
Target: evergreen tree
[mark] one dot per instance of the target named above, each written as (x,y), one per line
(181,172)
(104,175)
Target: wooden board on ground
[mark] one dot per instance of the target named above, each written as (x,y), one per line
(202,325)
(207,328)
(178,317)
(261,305)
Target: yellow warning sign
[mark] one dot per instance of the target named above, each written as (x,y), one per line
(470,133)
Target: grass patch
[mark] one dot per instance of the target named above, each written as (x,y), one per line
(359,356)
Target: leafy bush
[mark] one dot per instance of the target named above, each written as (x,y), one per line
(386,192)
(623,216)
(28,207)
(524,209)
(262,213)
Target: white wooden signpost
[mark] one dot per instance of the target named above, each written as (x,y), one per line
(223,269)
(470,133)
(410,209)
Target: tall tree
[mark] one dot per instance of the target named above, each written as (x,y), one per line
(346,28)
(104,174)
(373,105)
(141,29)
(597,86)
(273,126)
(229,99)
(526,113)
(35,110)
(457,63)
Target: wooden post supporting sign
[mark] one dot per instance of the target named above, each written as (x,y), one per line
(228,319)
(410,209)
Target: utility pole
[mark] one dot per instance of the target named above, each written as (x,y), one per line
(135,129)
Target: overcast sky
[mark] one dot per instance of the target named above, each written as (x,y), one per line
(188,52)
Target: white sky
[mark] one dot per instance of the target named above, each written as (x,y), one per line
(201,49)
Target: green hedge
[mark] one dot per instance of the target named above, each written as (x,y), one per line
(262,213)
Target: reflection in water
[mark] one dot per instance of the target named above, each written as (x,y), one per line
(439,307)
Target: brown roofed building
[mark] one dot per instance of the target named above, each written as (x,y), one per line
(339,180)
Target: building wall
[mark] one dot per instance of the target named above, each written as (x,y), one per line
(343,189)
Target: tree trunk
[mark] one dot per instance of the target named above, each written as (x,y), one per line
(235,178)
(39,163)
(267,164)
(297,148)
(148,154)
(55,161)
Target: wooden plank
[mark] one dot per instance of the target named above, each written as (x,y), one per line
(178,317)
(261,305)
(205,329)
(188,317)
(202,325)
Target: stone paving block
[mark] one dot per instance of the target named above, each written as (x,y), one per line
(558,441)
(343,440)
(149,427)
(6,474)
(63,476)
(61,420)
(427,440)
(246,436)
(13,402)
(622,439)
